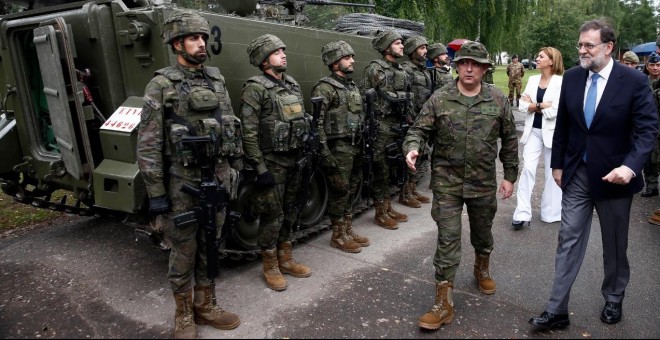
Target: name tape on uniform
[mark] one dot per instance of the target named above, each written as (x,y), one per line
(124,119)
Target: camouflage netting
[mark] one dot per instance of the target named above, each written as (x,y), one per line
(369,24)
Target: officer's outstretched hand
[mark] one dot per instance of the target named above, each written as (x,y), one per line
(265,180)
(411,158)
(506,189)
(159,205)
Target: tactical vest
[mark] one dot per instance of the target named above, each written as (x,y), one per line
(201,108)
(346,118)
(396,83)
(421,83)
(285,127)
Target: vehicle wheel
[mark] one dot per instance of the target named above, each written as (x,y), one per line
(246,234)
(315,207)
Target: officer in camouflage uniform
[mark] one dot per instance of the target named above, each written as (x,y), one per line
(437,54)
(515,71)
(650,170)
(465,121)
(184,100)
(274,124)
(340,122)
(415,47)
(390,82)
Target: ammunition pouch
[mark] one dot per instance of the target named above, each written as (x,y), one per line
(183,155)
(226,134)
(185,219)
(284,136)
(202,99)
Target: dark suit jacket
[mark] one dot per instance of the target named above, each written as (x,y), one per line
(622,132)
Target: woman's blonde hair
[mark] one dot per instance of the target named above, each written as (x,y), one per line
(555,56)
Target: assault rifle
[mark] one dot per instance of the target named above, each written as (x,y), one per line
(307,165)
(211,198)
(369,132)
(395,150)
(434,79)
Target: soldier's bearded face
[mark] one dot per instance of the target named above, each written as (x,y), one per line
(346,64)
(194,46)
(420,53)
(396,48)
(470,72)
(277,61)
(444,59)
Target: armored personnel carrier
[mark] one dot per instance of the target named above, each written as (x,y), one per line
(72,77)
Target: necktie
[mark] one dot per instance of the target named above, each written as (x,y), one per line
(590,103)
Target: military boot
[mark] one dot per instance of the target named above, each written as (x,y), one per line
(207,311)
(341,240)
(442,311)
(361,240)
(274,278)
(287,264)
(417,195)
(184,324)
(382,218)
(481,273)
(397,216)
(406,198)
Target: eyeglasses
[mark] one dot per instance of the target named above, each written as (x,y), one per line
(589,46)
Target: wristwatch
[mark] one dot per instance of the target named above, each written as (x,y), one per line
(538,106)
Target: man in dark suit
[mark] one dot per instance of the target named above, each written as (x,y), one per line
(606,129)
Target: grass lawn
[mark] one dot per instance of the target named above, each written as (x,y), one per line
(501,81)
(14,215)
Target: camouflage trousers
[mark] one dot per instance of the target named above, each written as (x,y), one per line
(515,87)
(422,165)
(344,180)
(381,166)
(188,244)
(446,212)
(651,168)
(275,206)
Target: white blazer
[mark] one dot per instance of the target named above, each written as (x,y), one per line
(549,114)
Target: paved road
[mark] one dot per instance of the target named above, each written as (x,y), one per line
(86,277)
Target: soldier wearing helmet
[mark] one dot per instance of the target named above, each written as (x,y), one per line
(416,48)
(187,99)
(464,120)
(391,83)
(437,54)
(340,125)
(630,59)
(274,125)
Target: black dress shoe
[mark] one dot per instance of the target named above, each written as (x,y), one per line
(612,312)
(648,192)
(550,321)
(517,225)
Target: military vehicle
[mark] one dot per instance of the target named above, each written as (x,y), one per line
(72,77)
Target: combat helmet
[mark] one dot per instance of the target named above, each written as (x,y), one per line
(260,48)
(183,22)
(435,50)
(475,51)
(413,43)
(384,39)
(334,51)
(631,57)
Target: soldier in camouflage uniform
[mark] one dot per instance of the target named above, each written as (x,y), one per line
(274,123)
(465,121)
(390,82)
(184,100)
(515,71)
(415,48)
(630,59)
(655,217)
(340,121)
(437,54)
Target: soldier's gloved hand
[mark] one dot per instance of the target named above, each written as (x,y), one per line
(159,205)
(329,163)
(265,180)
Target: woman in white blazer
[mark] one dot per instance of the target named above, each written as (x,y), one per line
(540,100)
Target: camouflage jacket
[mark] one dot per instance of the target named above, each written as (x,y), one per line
(391,83)
(515,71)
(442,77)
(165,97)
(258,112)
(465,137)
(342,113)
(421,83)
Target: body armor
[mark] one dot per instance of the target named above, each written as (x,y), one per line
(346,118)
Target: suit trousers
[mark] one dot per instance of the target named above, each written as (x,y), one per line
(551,198)
(576,217)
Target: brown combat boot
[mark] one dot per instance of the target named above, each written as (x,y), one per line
(417,195)
(341,240)
(406,198)
(481,273)
(207,311)
(397,216)
(287,264)
(361,240)
(655,218)
(442,311)
(184,324)
(274,278)
(382,218)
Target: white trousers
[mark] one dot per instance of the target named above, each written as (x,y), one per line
(551,199)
